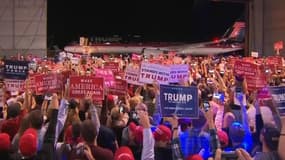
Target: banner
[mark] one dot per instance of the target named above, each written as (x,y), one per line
(264,93)
(80,86)
(132,75)
(16,69)
(113,66)
(154,72)
(48,83)
(254,74)
(120,87)
(254,54)
(257,82)
(246,68)
(278,95)
(13,85)
(278,45)
(107,74)
(178,73)
(178,100)
(275,60)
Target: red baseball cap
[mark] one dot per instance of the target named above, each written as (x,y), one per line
(5,143)
(28,142)
(162,133)
(137,132)
(124,153)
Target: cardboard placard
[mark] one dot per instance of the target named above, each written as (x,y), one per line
(16,69)
(132,75)
(178,73)
(80,86)
(113,66)
(120,87)
(13,85)
(178,100)
(257,82)
(154,72)
(246,68)
(48,83)
(107,74)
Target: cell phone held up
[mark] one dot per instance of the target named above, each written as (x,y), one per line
(229,155)
(206,106)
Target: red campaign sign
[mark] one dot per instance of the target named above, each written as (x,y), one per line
(256,83)
(14,85)
(113,66)
(48,83)
(65,76)
(263,93)
(32,82)
(81,86)
(120,74)
(270,67)
(107,74)
(246,68)
(278,45)
(136,57)
(248,59)
(275,60)
(119,88)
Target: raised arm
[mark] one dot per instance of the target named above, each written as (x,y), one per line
(148,140)
(175,143)
(248,137)
(62,114)
(281,145)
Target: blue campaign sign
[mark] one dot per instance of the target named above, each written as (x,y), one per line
(14,69)
(278,95)
(179,100)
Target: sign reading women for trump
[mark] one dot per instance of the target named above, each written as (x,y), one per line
(178,73)
(278,95)
(154,72)
(178,100)
(132,75)
(80,86)
(16,69)
(14,85)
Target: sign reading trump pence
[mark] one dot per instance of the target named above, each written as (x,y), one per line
(179,100)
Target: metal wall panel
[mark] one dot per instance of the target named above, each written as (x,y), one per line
(23,27)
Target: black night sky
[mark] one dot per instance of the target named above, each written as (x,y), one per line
(157,20)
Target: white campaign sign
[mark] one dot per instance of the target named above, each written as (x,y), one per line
(154,72)
(178,73)
(132,75)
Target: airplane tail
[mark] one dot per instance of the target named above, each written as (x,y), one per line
(236,33)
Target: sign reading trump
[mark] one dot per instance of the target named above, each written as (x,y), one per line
(154,72)
(179,100)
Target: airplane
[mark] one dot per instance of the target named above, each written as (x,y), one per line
(231,41)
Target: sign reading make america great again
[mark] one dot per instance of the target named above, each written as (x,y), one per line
(16,69)
(179,100)
(48,83)
(154,72)
(81,86)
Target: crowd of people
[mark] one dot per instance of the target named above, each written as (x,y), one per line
(129,127)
